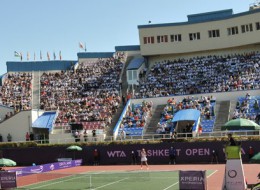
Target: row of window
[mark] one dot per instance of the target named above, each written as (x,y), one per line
(196,36)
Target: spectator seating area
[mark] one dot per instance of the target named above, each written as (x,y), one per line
(16,91)
(201,75)
(205,105)
(85,95)
(136,118)
(248,107)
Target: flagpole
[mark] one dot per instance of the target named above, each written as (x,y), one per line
(85,47)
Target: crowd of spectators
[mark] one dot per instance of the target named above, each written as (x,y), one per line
(201,75)
(86,94)
(248,108)
(204,104)
(135,118)
(16,92)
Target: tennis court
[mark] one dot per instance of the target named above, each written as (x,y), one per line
(115,180)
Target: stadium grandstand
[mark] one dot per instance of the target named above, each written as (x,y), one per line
(186,78)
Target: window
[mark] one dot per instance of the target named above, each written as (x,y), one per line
(149,40)
(247,28)
(233,30)
(194,36)
(161,39)
(214,33)
(257,25)
(176,38)
(130,75)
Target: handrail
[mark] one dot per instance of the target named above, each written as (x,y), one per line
(155,137)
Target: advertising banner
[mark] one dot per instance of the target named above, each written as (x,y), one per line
(192,180)
(7,180)
(46,167)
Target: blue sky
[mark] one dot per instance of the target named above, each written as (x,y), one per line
(59,25)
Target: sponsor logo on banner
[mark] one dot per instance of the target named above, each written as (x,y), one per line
(8,180)
(46,167)
(117,153)
(37,170)
(192,180)
(52,167)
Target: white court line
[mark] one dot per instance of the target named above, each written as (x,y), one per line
(171,185)
(49,184)
(178,182)
(111,183)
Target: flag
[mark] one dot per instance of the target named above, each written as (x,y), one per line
(81,46)
(16,54)
(28,56)
(48,56)
(60,55)
(54,56)
(40,55)
(21,56)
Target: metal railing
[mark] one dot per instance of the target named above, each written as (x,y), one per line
(158,137)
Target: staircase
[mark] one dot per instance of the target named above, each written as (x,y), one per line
(36,90)
(124,79)
(156,116)
(123,93)
(222,111)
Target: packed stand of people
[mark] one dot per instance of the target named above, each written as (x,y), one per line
(89,93)
(201,75)
(248,107)
(16,92)
(135,120)
(204,104)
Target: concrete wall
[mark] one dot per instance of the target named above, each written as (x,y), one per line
(220,96)
(205,43)
(17,126)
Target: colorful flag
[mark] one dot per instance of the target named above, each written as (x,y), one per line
(21,56)
(28,56)
(40,55)
(48,56)
(60,56)
(81,46)
(16,54)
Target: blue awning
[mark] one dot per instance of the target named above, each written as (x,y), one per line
(135,64)
(186,115)
(44,121)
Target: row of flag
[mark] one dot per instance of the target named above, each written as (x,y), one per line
(20,55)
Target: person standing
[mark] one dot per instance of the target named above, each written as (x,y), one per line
(172,155)
(94,134)
(96,157)
(134,157)
(231,140)
(250,152)
(214,157)
(85,135)
(144,159)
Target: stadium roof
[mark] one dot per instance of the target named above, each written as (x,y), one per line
(128,48)
(29,66)
(203,17)
(95,54)
(135,63)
